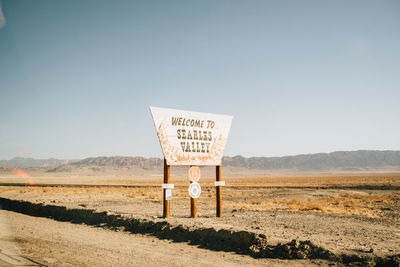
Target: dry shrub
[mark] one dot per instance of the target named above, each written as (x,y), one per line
(131,195)
(142,193)
(255,201)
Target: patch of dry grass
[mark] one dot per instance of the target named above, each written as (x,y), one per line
(255,201)
(344,203)
(258,199)
(319,181)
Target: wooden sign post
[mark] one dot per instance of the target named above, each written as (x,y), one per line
(194,177)
(166,212)
(218,191)
(193,207)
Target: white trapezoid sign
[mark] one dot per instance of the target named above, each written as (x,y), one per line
(191,138)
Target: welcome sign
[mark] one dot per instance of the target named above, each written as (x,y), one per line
(191,138)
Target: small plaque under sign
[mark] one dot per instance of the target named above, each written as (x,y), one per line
(168,186)
(168,194)
(220,183)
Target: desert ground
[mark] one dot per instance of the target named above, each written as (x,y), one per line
(298,220)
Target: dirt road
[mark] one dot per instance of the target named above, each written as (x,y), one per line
(55,243)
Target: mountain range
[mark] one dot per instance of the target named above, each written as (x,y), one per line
(345,160)
(20,162)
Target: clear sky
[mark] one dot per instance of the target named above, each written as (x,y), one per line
(77,77)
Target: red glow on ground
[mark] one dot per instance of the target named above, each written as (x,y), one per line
(23,174)
(19,172)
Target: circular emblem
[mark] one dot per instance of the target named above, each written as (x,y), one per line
(194,173)
(194,190)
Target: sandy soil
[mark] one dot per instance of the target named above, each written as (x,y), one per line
(55,243)
(360,217)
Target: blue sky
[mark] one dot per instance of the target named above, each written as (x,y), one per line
(77,77)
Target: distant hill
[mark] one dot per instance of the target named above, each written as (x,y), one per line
(20,162)
(110,163)
(343,160)
(144,163)
(363,159)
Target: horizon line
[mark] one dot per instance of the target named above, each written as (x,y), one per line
(292,155)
